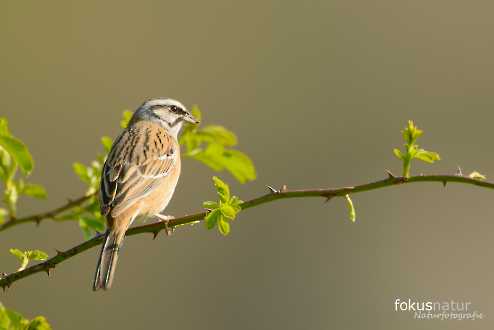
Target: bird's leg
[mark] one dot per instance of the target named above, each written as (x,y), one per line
(166,219)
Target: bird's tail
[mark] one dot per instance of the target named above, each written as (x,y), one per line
(108,259)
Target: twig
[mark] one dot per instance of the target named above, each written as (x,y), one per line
(37,218)
(155,228)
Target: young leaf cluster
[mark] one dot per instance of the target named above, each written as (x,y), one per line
(26,256)
(412,151)
(89,217)
(222,212)
(14,155)
(213,146)
(14,321)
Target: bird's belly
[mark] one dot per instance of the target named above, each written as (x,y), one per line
(159,199)
(159,203)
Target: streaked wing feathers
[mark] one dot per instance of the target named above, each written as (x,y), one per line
(140,158)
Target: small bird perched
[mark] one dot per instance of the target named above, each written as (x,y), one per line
(139,175)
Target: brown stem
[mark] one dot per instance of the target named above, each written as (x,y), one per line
(37,218)
(155,228)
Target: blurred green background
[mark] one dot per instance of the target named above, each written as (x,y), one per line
(317,92)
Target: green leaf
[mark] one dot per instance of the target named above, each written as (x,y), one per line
(3,215)
(19,153)
(11,195)
(36,255)
(426,156)
(234,161)
(93,222)
(18,253)
(10,320)
(7,165)
(397,153)
(218,134)
(4,318)
(107,143)
(39,323)
(212,218)
(351,209)
(210,205)
(228,211)
(4,127)
(126,117)
(87,233)
(239,165)
(477,176)
(222,189)
(224,227)
(22,258)
(72,214)
(34,190)
(82,171)
(26,256)
(212,156)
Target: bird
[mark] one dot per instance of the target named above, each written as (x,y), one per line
(139,176)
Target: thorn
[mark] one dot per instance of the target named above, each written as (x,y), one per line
(390,175)
(445,183)
(328,198)
(59,253)
(272,190)
(6,286)
(283,188)
(155,234)
(459,172)
(38,222)
(99,235)
(49,271)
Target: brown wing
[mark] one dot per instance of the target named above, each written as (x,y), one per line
(140,158)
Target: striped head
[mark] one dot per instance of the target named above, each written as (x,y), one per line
(168,113)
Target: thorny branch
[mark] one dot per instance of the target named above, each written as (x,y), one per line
(274,194)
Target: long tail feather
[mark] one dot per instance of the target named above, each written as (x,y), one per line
(108,260)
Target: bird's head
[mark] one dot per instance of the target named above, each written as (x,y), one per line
(168,113)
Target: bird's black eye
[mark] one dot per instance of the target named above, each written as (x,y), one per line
(174,108)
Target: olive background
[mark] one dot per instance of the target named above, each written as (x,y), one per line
(317,92)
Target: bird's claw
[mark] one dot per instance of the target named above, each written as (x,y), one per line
(166,219)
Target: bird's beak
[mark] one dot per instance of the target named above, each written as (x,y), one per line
(191,119)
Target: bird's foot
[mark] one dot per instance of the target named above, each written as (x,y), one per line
(166,219)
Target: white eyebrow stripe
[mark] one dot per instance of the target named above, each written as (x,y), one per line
(163,102)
